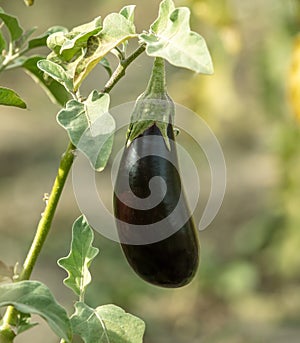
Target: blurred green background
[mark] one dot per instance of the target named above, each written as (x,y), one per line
(247,289)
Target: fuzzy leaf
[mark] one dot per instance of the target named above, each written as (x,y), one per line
(80,257)
(32,297)
(116,29)
(12,24)
(172,39)
(90,127)
(8,97)
(77,38)
(56,92)
(42,40)
(57,73)
(128,12)
(106,324)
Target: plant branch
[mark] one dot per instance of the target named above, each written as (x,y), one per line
(120,71)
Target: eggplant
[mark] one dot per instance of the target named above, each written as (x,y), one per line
(155,227)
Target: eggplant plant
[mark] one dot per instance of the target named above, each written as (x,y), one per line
(73,55)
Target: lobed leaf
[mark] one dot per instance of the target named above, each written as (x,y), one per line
(9,97)
(90,127)
(33,297)
(171,38)
(116,29)
(12,24)
(80,257)
(106,324)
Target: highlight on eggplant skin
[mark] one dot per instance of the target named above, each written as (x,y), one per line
(173,261)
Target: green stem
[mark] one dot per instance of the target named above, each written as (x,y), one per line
(157,82)
(120,71)
(47,217)
(40,235)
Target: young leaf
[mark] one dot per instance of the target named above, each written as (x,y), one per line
(56,92)
(80,257)
(57,73)
(106,324)
(116,29)
(42,40)
(77,38)
(90,127)
(23,39)
(165,9)
(172,39)
(33,297)
(12,24)
(8,97)
(128,12)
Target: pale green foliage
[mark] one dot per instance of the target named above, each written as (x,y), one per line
(90,127)
(32,297)
(106,324)
(170,37)
(80,257)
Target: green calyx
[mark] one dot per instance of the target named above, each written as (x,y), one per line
(154,106)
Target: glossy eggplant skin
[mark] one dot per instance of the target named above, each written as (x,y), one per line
(173,261)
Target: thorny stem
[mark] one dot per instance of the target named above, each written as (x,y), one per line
(7,333)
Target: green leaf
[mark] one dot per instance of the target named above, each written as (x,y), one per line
(57,73)
(106,324)
(116,29)
(172,39)
(77,38)
(165,9)
(56,92)
(33,297)
(23,39)
(80,257)
(104,62)
(8,97)
(128,12)
(90,127)
(12,24)
(42,40)
(3,43)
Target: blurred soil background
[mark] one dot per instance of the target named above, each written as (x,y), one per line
(247,289)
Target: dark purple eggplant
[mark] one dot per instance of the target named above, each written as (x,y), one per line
(159,238)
